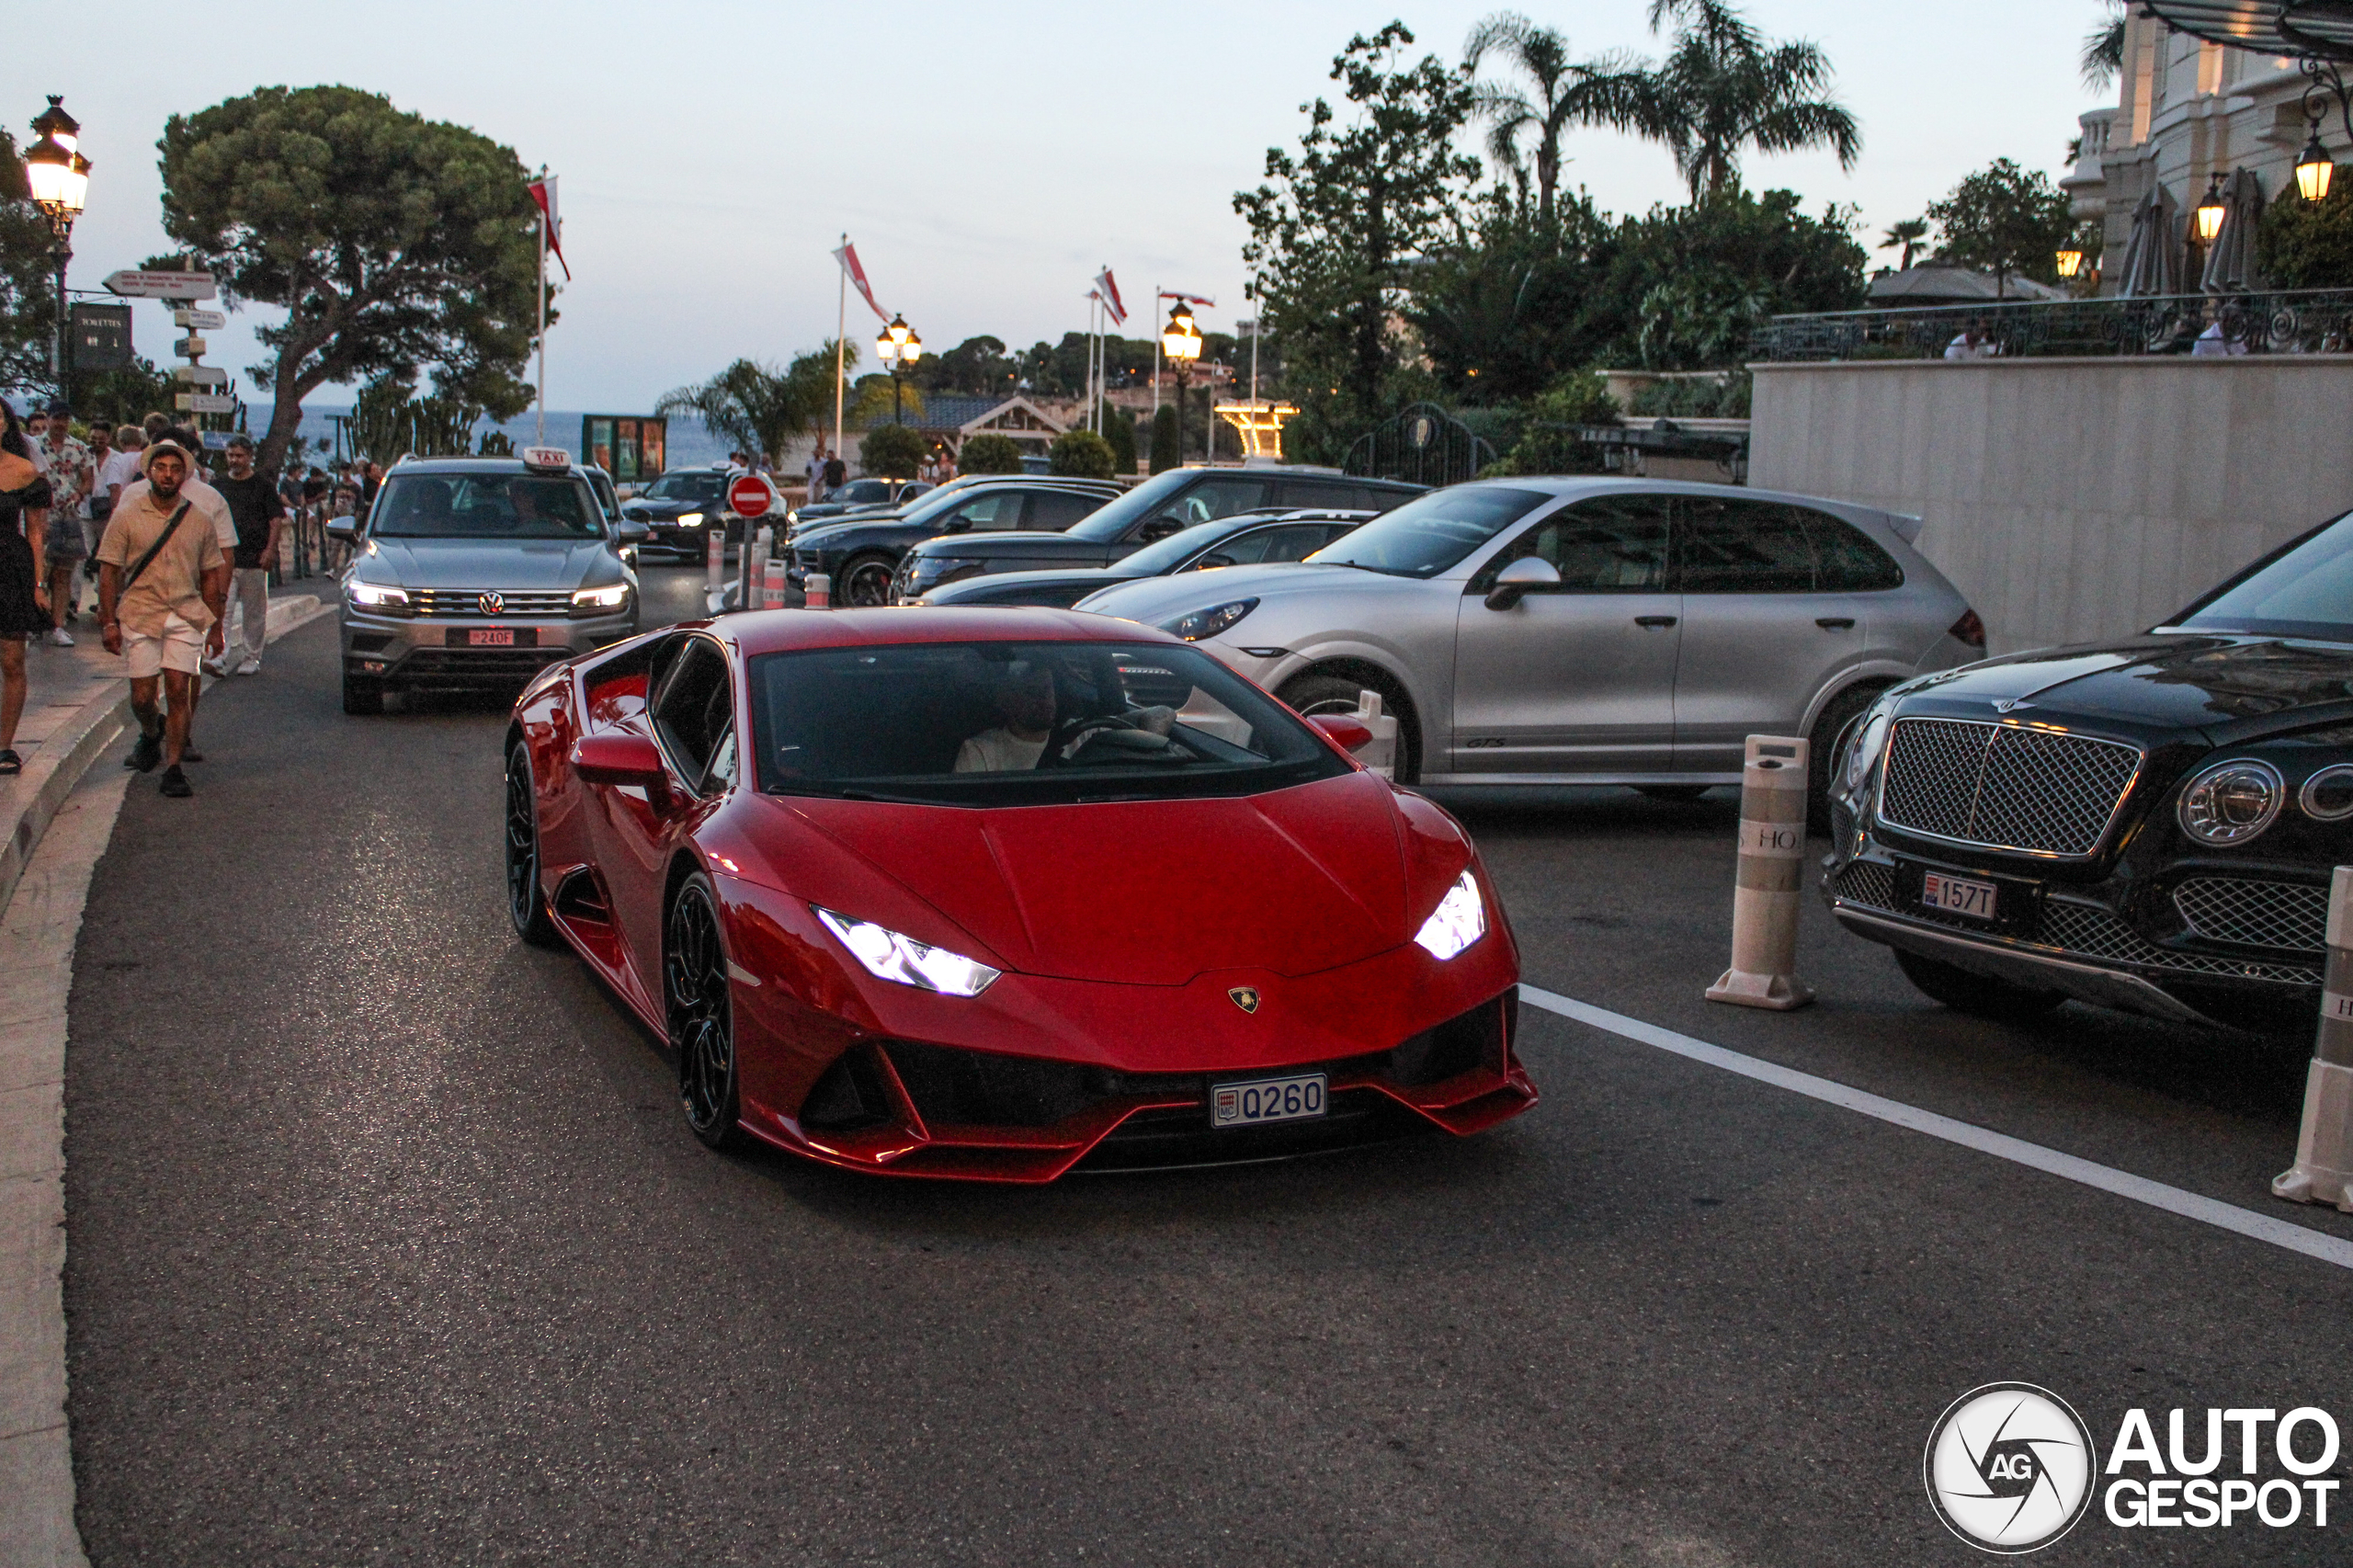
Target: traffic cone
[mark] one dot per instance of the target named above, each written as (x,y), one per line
(1765,893)
(2324,1169)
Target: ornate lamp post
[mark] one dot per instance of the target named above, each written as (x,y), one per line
(59,179)
(1180,340)
(900,349)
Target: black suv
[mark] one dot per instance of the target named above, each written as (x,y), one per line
(677,509)
(2148,825)
(1164,503)
(860,552)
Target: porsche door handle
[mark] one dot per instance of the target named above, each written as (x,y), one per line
(1836,623)
(1654,621)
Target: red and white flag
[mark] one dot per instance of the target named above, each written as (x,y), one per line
(848,257)
(543,195)
(1189,298)
(1107,291)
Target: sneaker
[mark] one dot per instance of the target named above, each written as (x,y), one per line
(59,637)
(145,753)
(10,763)
(176,783)
(189,753)
(250,666)
(214,667)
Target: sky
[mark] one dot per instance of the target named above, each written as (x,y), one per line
(986,158)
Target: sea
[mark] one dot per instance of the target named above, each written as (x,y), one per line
(691,444)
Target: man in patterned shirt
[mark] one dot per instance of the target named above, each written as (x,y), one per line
(67,465)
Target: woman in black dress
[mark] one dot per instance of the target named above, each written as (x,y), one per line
(24,599)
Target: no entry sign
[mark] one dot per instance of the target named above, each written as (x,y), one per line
(750,497)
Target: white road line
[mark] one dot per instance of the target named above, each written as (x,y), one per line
(2122,1184)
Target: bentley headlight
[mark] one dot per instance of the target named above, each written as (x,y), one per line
(1459,920)
(691,520)
(887,955)
(378,595)
(1862,753)
(1208,622)
(588,602)
(2327,796)
(2232,802)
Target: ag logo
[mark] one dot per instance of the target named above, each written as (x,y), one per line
(2009,1467)
(1244,997)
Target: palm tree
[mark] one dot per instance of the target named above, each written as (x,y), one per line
(1907,235)
(1724,88)
(752,406)
(1565,93)
(2103,54)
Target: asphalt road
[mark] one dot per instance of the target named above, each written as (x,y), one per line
(388,1245)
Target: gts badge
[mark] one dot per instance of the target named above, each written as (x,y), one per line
(1480,743)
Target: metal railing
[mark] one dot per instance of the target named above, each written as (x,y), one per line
(2305,321)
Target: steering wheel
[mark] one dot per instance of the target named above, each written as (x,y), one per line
(1071,738)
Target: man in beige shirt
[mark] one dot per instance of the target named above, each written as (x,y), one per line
(157,614)
(207,504)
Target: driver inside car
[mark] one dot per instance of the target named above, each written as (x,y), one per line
(1025,700)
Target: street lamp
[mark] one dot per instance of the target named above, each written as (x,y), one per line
(2210,211)
(2071,259)
(59,179)
(1180,340)
(899,348)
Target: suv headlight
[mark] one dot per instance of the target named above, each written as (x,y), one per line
(2232,802)
(1460,919)
(378,596)
(887,955)
(1870,736)
(1208,622)
(592,601)
(691,520)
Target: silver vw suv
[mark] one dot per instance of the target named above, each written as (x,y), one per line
(475,573)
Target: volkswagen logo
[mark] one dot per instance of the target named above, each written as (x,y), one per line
(492,604)
(2010,1468)
(1244,997)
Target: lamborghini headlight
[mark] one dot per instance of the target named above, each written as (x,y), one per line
(887,955)
(1210,621)
(1460,919)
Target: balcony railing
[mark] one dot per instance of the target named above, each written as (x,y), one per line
(2307,320)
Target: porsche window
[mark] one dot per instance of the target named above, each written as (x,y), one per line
(1430,533)
(466,505)
(1021,723)
(2304,590)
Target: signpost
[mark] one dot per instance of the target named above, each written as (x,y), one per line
(751,496)
(162,285)
(200,375)
(204,402)
(199,321)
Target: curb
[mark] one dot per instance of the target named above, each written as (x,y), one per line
(32,802)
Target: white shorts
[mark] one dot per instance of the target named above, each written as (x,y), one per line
(181,647)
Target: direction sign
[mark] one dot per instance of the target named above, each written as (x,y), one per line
(204,402)
(162,285)
(199,321)
(751,496)
(190,348)
(200,375)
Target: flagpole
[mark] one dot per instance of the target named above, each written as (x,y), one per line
(1095,368)
(1155,358)
(841,337)
(542,437)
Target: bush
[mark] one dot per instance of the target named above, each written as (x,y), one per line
(1724,399)
(1120,429)
(1080,454)
(990,454)
(2309,244)
(1163,439)
(1546,444)
(893,451)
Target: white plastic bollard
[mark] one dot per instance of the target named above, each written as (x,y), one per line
(772,585)
(1766,891)
(715,558)
(1380,754)
(756,555)
(817,591)
(2324,1169)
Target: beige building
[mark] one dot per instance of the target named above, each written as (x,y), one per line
(2188,110)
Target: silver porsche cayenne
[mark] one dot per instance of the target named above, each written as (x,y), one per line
(477,573)
(1571,630)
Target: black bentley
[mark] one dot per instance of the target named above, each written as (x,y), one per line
(2148,825)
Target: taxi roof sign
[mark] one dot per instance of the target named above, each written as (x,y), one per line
(552,459)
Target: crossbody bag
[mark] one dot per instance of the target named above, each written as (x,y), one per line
(153,550)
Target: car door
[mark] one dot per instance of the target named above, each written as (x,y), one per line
(689,712)
(1577,677)
(1761,634)
(1052,511)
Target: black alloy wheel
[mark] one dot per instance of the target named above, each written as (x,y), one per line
(701,1018)
(865,583)
(527,906)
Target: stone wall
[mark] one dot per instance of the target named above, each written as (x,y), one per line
(2070,499)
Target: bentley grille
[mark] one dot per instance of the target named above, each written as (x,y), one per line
(2258,914)
(2005,787)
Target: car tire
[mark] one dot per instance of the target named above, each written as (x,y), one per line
(699,1010)
(527,904)
(1976,995)
(865,583)
(1680,794)
(1841,711)
(1308,695)
(362,697)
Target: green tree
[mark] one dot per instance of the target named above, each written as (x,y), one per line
(28,286)
(989,454)
(1906,237)
(2103,54)
(1336,232)
(755,408)
(1737,256)
(1565,93)
(1165,454)
(2005,220)
(1723,87)
(1548,441)
(1120,429)
(390,421)
(894,451)
(395,244)
(976,367)
(2309,244)
(1080,454)
(130,393)
(1500,315)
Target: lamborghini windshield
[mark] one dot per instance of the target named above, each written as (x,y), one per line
(485,506)
(1022,724)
